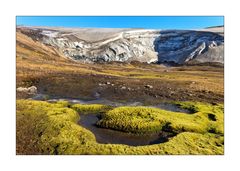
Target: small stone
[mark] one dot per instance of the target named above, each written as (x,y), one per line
(148,86)
(123,87)
(108,83)
(112,84)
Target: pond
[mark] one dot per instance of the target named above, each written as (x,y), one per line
(110,136)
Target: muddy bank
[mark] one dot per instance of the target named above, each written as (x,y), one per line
(109,136)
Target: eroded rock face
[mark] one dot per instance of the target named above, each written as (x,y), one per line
(178,46)
(185,46)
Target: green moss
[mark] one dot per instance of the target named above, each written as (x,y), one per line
(206,111)
(146,119)
(42,127)
(51,128)
(91,108)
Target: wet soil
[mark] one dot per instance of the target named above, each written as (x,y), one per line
(161,105)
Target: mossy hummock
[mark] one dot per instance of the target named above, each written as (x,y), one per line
(51,128)
(146,119)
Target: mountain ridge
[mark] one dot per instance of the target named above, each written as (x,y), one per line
(126,45)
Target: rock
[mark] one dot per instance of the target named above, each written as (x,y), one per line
(112,84)
(32,90)
(148,86)
(22,89)
(123,87)
(129,89)
(108,83)
(29,90)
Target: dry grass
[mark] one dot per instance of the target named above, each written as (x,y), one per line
(44,67)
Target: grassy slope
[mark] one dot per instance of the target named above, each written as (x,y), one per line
(44,128)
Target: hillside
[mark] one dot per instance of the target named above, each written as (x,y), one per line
(126,45)
(56,75)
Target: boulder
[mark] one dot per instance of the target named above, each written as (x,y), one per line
(28,90)
(32,90)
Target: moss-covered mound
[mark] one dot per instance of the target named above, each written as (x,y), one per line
(206,118)
(91,108)
(51,128)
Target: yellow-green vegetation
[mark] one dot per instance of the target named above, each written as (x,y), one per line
(205,118)
(48,128)
(51,128)
(91,108)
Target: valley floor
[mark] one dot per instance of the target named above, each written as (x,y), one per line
(124,82)
(51,128)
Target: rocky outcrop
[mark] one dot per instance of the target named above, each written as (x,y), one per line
(184,46)
(177,46)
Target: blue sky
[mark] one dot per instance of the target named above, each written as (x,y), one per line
(151,22)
